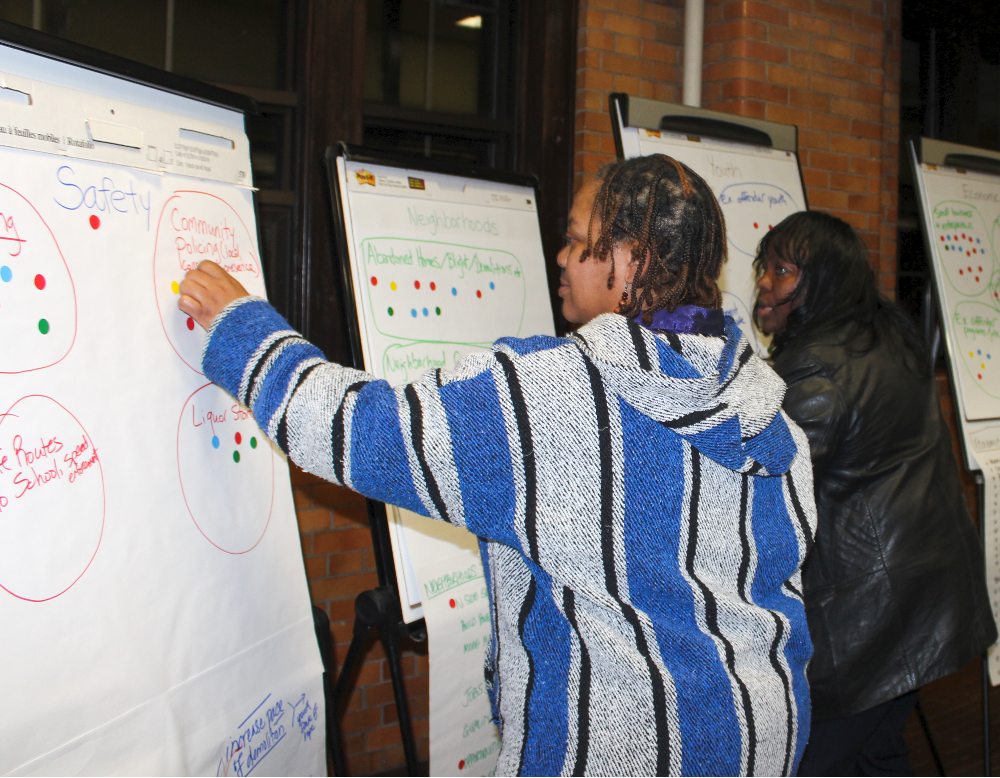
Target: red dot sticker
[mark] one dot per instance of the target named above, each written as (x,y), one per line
(433,286)
(461,764)
(479,293)
(416,284)
(39,281)
(239,438)
(374,281)
(190,324)
(451,603)
(95,221)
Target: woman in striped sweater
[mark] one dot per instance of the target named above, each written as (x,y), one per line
(642,503)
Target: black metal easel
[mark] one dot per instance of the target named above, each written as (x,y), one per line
(377,612)
(377,615)
(932,333)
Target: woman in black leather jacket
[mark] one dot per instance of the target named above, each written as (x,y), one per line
(895,588)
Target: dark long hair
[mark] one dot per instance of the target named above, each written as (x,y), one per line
(678,232)
(837,293)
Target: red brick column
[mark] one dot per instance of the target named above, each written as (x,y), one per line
(631,46)
(832,69)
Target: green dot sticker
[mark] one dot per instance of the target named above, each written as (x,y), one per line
(43,326)
(253,442)
(236,456)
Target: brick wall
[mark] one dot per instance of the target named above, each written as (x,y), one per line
(630,46)
(830,67)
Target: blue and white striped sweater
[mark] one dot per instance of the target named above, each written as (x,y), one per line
(643,508)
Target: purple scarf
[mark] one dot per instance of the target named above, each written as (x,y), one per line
(689,319)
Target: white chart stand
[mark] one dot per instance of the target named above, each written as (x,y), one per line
(152,590)
(439,263)
(959,190)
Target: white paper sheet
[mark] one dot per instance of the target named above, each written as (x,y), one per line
(155,610)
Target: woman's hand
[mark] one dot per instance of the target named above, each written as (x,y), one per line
(206,290)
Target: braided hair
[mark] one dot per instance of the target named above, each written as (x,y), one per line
(676,228)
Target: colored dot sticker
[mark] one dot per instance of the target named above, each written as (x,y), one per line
(425,312)
(479,293)
(236,456)
(190,323)
(454,291)
(238,438)
(95,221)
(461,764)
(451,603)
(416,284)
(6,274)
(433,286)
(39,282)
(437,311)
(215,441)
(413,312)
(492,285)
(374,281)
(392,285)
(391,311)
(43,326)
(175,287)
(253,441)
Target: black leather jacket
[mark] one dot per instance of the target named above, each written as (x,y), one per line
(895,588)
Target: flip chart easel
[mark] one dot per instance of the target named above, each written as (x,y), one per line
(959,199)
(155,609)
(437,261)
(750,164)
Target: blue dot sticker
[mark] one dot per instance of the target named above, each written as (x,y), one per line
(6,274)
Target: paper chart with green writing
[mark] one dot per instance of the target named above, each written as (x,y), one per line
(964,230)
(442,266)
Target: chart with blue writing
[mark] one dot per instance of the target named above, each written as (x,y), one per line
(152,590)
